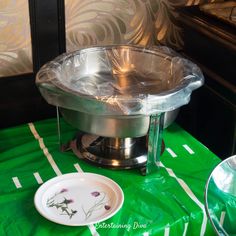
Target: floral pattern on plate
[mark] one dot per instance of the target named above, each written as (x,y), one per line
(79,199)
(99,203)
(62,206)
(64,209)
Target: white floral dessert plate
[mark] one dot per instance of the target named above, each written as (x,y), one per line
(78,199)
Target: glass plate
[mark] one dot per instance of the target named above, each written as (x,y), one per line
(220,197)
(78,199)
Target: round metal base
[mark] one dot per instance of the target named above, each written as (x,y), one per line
(113,153)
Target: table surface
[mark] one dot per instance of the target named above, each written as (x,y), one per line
(169,202)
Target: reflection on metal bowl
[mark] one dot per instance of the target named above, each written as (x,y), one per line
(113,126)
(120,92)
(119,81)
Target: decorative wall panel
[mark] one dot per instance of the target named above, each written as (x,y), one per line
(143,22)
(15,39)
(103,22)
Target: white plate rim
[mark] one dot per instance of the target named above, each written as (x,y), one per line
(40,191)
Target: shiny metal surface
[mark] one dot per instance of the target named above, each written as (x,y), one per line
(113,126)
(120,91)
(220,197)
(170,117)
(119,143)
(93,149)
(107,126)
(121,80)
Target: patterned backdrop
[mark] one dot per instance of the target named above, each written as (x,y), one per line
(110,21)
(15,39)
(143,22)
(90,22)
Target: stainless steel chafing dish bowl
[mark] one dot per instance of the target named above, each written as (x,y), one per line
(113,126)
(112,91)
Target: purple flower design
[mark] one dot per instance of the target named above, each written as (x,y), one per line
(62,206)
(99,203)
(95,193)
(107,207)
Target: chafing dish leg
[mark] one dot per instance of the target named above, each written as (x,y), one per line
(154,143)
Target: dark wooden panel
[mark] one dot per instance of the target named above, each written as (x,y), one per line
(211,114)
(20,100)
(210,43)
(47,30)
(212,120)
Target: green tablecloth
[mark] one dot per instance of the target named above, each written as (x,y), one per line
(170,202)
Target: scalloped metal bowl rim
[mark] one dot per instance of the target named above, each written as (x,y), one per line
(183,85)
